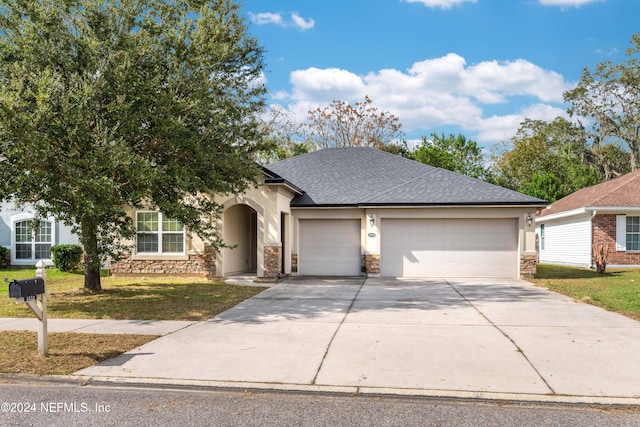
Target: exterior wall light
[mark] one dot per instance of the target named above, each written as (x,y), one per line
(372,220)
(529,219)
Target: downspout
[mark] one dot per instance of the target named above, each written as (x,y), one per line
(593,215)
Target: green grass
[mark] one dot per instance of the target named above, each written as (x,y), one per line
(616,290)
(151,298)
(130,298)
(68,351)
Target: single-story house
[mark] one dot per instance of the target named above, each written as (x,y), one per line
(27,246)
(607,213)
(348,212)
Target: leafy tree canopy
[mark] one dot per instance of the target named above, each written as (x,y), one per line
(106,104)
(546,160)
(341,124)
(609,99)
(282,136)
(453,152)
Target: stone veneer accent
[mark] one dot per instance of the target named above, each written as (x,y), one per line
(201,264)
(372,263)
(294,263)
(528,265)
(604,231)
(272,261)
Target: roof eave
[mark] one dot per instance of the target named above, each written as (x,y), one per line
(613,208)
(420,205)
(562,215)
(283,182)
(586,210)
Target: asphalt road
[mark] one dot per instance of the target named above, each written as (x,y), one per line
(51,405)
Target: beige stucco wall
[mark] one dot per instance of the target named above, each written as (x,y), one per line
(268,201)
(526,236)
(271,204)
(371,233)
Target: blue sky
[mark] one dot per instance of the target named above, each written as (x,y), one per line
(476,67)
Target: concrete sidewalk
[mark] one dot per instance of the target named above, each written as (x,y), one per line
(97,326)
(493,339)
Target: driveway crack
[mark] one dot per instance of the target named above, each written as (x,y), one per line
(324,356)
(520,350)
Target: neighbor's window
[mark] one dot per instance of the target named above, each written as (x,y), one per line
(158,234)
(33,243)
(542,237)
(633,233)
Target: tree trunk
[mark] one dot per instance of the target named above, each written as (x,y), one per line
(91,255)
(600,255)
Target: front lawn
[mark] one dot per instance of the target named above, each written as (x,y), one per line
(617,290)
(68,351)
(129,298)
(150,298)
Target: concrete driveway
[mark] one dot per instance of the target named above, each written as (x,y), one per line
(456,337)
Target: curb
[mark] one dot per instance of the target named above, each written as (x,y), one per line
(180,384)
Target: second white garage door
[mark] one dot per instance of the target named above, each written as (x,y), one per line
(329,247)
(449,248)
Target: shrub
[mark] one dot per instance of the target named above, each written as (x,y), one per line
(5,259)
(66,257)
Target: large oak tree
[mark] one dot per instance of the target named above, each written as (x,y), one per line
(106,104)
(548,160)
(609,98)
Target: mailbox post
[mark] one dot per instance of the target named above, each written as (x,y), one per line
(32,292)
(43,333)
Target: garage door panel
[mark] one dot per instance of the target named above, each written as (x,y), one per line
(329,247)
(449,247)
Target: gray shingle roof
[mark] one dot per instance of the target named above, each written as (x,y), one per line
(370,177)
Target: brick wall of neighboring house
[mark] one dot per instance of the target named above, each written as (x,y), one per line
(272,261)
(528,264)
(604,231)
(198,264)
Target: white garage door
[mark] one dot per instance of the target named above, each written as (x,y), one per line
(449,248)
(329,247)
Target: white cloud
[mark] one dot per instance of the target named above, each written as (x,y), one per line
(266,18)
(569,3)
(322,85)
(499,128)
(301,23)
(441,91)
(492,81)
(444,4)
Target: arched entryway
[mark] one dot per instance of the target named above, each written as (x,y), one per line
(240,231)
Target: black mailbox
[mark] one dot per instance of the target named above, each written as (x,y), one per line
(26,288)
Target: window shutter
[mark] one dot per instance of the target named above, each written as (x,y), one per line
(621,233)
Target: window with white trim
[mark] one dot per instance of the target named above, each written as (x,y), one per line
(33,243)
(633,233)
(157,234)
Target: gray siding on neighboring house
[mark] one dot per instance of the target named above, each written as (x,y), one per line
(566,241)
(64,235)
(7,210)
(9,213)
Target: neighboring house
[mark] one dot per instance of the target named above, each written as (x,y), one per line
(607,213)
(27,244)
(347,212)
